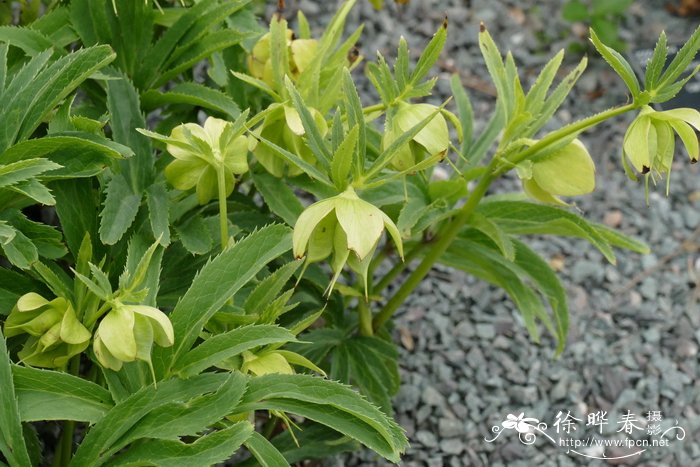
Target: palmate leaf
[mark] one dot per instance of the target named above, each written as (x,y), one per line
(329,403)
(110,433)
(524,218)
(618,63)
(27,107)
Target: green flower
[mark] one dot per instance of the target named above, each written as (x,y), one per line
(284,128)
(201,152)
(55,333)
(127,333)
(346,226)
(432,140)
(300,52)
(649,144)
(569,171)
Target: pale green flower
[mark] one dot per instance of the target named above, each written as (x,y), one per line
(569,171)
(56,334)
(346,226)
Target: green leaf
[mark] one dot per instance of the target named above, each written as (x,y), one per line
(313,137)
(30,41)
(430,54)
(210,449)
(20,251)
(265,452)
(356,117)
(189,418)
(15,172)
(54,395)
(497,70)
(12,443)
(523,218)
(374,368)
(229,344)
(494,232)
(193,94)
(119,212)
(464,111)
(329,403)
(278,197)
(293,159)
(343,158)
(536,96)
(618,63)
(194,235)
(125,117)
(682,60)
(218,281)
(79,154)
(655,64)
(159,211)
(12,286)
(102,440)
(547,282)
(269,288)
(77,208)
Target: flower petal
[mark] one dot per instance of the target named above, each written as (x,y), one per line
(117,333)
(362,222)
(307,222)
(31,301)
(689,138)
(567,172)
(162,327)
(72,330)
(184,174)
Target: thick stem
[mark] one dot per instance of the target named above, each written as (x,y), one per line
(451,230)
(65,450)
(443,242)
(365,315)
(223,216)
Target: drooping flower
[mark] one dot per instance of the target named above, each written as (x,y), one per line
(430,141)
(346,226)
(127,333)
(649,144)
(569,171)
(56,334)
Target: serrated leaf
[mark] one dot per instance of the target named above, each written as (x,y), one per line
(159,211)
(30,41)
(220,347)
(464,112)
(430,54)
(655,64)
(315,141)
(355,118)
(12,443)
(682,60)
(278,197)
(20,251)
(193,94)
(15,172)
(618,63)
(269,288)
(215,284)
(330,403)
(54,395)
(194,235)
(265,452)
(120,208)
(343,158)
(494,232)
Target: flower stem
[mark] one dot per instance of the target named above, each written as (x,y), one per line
(223,216)
(365,315)
(494,170)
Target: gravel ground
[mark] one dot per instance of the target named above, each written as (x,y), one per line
(466,359)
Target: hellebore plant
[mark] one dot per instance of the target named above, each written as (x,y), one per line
(153,343)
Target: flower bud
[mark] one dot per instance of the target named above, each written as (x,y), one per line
(569,171)
(56,334)
(432,140)
(300,52)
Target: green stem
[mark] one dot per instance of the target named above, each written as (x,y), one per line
(452,229)
(399,267)
(365,315)
(65,449)
(443,242)
(564,132)
(223,216)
